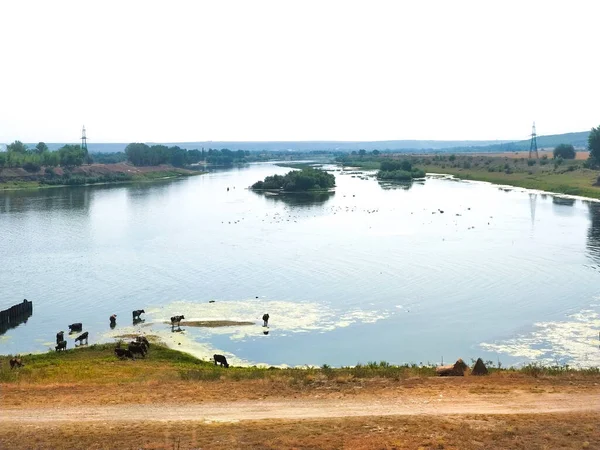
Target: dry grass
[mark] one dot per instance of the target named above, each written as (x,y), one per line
(540,431)
(581,155)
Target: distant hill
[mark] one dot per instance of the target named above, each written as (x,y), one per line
(578,140)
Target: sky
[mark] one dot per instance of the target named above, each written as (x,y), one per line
(180,71)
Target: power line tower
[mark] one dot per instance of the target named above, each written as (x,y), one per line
(83,140)
(533,145)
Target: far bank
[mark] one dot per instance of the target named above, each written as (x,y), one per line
(91,174)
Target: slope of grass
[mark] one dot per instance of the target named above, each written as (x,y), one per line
(98,364)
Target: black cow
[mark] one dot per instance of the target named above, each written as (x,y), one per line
(142,340)
(176,320)
(75,327)
(16,362)
(136,314)
(62,345)
(135,347)
(123,353)
(82,337)
(60,336)
(265,320)
(221,360)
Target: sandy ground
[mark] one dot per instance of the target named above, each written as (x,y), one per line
(415,413)
(517,403)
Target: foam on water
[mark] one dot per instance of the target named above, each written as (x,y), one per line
(574,341)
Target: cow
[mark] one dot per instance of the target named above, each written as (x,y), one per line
(142,339)
(15,362)
(82,337)
(457,369)
(176,320)
(265,320)
(135,347)
(62,345)
(123,353)
(136,314)
(60,336)
(221,360)
(75,327)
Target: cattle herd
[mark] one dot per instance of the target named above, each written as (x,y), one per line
(138,347)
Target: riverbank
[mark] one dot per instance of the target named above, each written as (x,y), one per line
(87,398)
(569,177)
(92,174)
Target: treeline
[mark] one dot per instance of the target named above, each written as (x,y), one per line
(146,155)
(307,179)
(32,159)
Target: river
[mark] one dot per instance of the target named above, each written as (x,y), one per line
(433,271)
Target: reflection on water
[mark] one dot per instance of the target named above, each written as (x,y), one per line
(299,198)
(593,238)
(404,185)
(50,199)
(563,201)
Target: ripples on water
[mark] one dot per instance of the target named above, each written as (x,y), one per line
(372,272)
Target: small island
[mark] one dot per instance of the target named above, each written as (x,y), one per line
(395,170)
(306,180)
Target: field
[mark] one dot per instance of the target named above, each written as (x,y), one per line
(579,156)
(87,398)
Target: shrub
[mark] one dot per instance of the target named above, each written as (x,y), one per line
(31,166)
(564,151)
(531,162)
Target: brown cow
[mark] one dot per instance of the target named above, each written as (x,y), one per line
(16,362)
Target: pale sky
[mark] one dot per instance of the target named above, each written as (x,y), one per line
(175,71)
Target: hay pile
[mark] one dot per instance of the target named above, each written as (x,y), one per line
(479,368)
(457,369)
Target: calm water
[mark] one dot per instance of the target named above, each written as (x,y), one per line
(369,273)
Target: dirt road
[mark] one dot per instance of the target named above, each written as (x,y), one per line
(517,403)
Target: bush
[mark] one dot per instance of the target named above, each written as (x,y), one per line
(31,166)
(531,162)
(452,157)
(564,151)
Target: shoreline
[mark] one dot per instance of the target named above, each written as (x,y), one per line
(147,176)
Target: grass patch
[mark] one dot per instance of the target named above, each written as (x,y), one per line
(98,364)
(570,177)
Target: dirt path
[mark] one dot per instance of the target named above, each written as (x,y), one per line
(518,403)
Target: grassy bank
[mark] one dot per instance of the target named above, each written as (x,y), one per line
(560,176)
(98,364)
(94,174)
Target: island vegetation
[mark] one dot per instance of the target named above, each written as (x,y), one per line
(304,180)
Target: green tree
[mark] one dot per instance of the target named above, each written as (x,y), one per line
(17,147)
(375,152)
(564,151)
(594,146)
(362,152)
(41,147)
(71,155)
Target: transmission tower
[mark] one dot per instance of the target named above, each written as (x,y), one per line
(533,145)
(83,139)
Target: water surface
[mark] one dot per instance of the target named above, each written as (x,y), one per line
(372,272)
